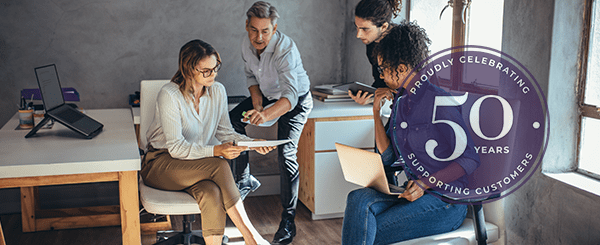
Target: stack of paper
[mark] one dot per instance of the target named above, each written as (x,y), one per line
(327,93)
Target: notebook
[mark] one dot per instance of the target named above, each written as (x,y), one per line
(54,104)
(365,168)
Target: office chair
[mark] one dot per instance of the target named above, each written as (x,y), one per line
(163,202)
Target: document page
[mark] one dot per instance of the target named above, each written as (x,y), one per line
(263,143)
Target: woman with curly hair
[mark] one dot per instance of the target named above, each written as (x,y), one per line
(372,217)
(373,19)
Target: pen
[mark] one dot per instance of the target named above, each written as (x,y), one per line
(244,115)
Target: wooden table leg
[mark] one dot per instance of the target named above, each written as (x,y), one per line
(2,242)
(28,208)
(130,218)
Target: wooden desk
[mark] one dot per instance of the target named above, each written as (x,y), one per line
(60,156)
(323,188)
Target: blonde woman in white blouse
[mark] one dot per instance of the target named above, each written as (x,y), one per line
(190,111)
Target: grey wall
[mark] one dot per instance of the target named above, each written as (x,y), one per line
(104,48)
(356,63)
(544,35)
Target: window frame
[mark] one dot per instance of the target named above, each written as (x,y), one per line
(585,110)
(458,38)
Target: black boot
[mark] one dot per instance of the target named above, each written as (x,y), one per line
(287,230)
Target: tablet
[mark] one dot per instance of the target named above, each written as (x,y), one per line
(355,87)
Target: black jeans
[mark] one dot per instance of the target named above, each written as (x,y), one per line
(289,126)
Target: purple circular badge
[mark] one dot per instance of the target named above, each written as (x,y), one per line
(481,110)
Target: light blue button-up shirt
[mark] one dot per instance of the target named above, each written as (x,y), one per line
(279,71)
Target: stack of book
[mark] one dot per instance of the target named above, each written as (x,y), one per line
(327,93)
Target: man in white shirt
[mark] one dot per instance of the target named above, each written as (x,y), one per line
(280,90)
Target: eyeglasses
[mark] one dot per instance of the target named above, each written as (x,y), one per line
(380,69)
(209,72)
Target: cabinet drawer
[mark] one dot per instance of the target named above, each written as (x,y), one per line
(356,133)
(331,189)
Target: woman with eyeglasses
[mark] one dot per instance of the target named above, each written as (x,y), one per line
(372,217)
(191,110)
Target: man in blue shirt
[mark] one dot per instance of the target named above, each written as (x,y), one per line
(279,89)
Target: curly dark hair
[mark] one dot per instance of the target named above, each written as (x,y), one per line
(405,44)
(378,11)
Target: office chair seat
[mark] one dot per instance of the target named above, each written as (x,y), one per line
(465,234)
(158,201)
(162,202)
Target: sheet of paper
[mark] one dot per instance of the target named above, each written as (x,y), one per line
(263,143)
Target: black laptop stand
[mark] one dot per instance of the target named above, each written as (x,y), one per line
(38,126)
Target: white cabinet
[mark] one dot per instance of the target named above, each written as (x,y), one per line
(356,133)
(323,188)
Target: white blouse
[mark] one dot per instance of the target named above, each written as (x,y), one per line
(184,132)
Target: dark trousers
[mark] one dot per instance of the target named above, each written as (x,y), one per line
(289,126)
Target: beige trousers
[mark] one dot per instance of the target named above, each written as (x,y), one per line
(209,180)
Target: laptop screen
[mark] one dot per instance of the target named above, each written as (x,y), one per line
(49,86)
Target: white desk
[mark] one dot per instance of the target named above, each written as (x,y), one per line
(323,188)
(60,156)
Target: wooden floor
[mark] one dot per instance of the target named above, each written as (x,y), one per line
(264,212)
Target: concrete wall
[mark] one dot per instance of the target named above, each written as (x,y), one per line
(544,36)
(104,48)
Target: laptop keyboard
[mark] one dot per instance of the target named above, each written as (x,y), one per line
(69,116)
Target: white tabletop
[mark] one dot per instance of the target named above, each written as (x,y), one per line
(135,112)
(60,151)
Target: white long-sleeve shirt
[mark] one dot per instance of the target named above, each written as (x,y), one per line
(279,71)
(186,134)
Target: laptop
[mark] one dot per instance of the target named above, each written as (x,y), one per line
(54,103)
(365,168)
